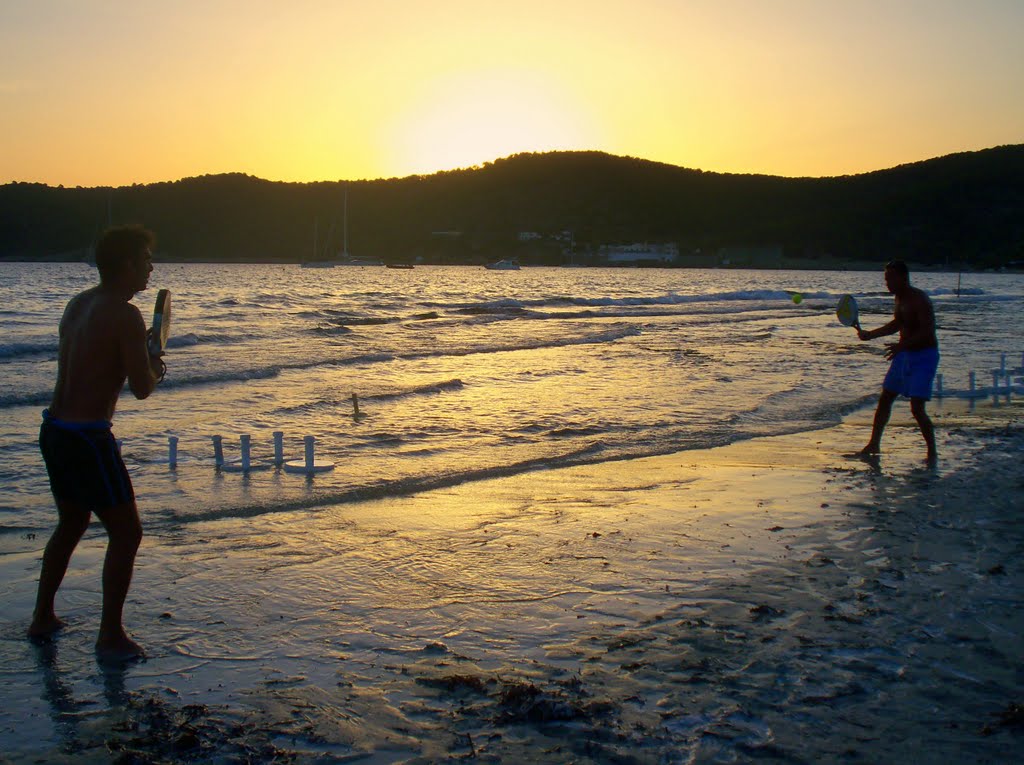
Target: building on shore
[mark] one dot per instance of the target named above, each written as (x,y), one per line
(660,253)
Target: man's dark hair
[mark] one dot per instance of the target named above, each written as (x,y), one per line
(120,245)
(899,267)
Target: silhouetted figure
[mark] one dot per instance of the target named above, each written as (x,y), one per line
(102,343)
(914,359)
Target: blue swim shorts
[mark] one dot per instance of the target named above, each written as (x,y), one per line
(911,373)
(84,463)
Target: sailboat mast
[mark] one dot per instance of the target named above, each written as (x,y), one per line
(345,225)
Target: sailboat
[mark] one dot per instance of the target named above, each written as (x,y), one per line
(343,259)
(316,261)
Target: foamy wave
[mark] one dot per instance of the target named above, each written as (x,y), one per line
(419,390)
(273,370)
(207,338)
(13,350)
(394,488)
(10,400)
(510,306)
(608,336)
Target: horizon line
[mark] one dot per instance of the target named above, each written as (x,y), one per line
(485,164)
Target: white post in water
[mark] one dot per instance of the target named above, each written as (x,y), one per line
(938,385)
(245,443)
(278,448)
(218,451)
(245,464)
(995,383)
(172,452)
(1002,363)
(355,405)
(309,465)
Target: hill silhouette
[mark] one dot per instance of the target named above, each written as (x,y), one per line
(962,208)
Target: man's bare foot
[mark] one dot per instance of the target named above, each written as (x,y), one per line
(43,627)
(118,648)
(932,459)
(867,453)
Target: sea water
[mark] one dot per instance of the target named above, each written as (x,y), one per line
(463,373)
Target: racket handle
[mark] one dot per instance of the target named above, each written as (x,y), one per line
(153,344)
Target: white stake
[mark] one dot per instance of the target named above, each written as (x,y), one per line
(278,448)
(310,464)
(218,451)
(245,464)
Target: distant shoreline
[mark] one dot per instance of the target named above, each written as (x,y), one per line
(785,265)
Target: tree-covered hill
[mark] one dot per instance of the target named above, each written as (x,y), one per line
(961,208)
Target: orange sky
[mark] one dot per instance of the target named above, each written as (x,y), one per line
(114,93)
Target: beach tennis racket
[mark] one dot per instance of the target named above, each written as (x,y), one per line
(161,328)
(846,312)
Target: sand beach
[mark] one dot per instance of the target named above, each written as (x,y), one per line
(766,601)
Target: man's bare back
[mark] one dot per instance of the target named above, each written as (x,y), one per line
(97,333)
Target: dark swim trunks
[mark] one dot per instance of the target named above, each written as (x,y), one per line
(84,463)
(912,373)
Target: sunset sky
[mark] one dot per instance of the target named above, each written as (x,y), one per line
(98,92)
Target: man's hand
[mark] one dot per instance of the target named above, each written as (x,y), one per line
(863,334)
(892,349)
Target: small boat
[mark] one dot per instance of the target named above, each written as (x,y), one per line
(503,265)
(349,261)
(405,266)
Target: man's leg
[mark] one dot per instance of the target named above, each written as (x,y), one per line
(924,422)
(882,413)
(72,521)
(124,531)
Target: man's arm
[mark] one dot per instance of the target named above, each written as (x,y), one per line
(886,329)
(143,370)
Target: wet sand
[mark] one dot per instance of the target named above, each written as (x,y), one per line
(770,601)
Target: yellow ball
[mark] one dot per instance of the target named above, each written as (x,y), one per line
(798,298)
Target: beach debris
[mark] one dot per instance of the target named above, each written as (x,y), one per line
(998,570)
(525,702)
(456,683)
(819,561)
(775,528)
(766,612)
(1011,717)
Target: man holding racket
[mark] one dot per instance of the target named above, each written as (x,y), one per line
(103,342)
(914,359)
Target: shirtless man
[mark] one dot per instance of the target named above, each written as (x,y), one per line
(102,343)
(915,358)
